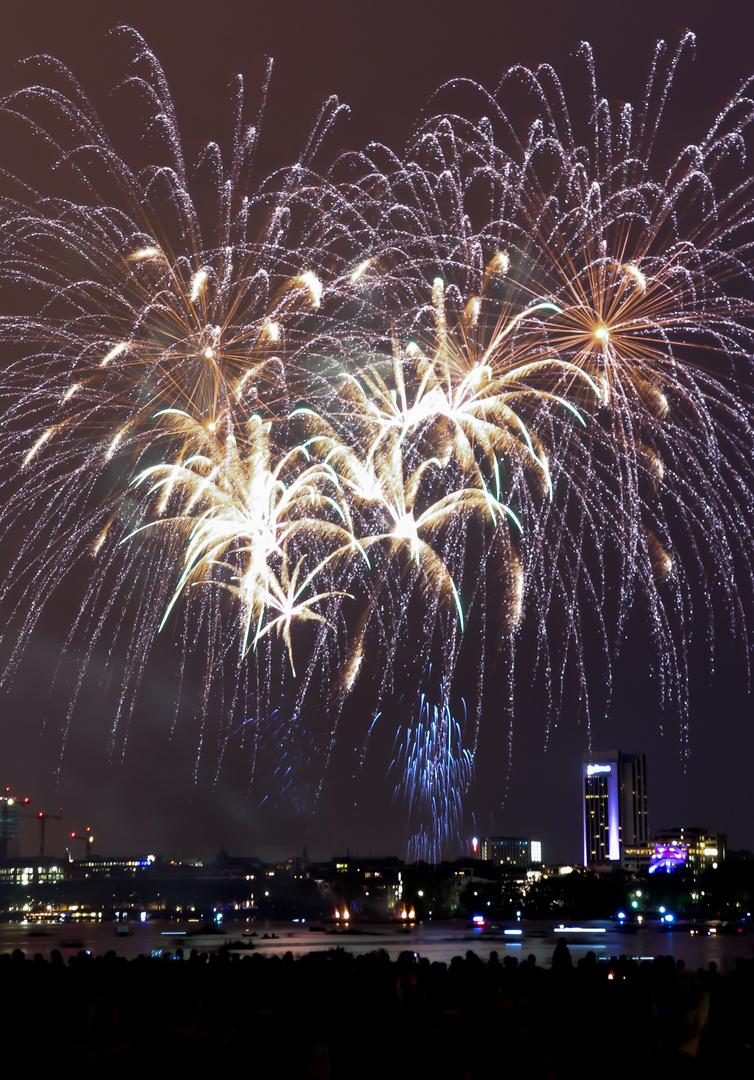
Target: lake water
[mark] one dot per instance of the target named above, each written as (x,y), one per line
(435,941)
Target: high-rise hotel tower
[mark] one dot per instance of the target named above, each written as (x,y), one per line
(615,805)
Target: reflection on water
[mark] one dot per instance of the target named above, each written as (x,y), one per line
(437,942)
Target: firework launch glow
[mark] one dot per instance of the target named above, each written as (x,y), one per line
(360,424)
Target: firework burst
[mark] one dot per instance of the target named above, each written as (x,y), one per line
(642,267)
(155,331)
(358,428)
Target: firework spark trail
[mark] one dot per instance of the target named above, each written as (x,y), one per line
(433,772)
(642,271)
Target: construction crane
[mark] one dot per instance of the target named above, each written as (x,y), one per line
(86,838)
(42,818)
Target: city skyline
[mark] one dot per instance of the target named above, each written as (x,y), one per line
(150,786)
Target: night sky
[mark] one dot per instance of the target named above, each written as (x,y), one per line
(384,61)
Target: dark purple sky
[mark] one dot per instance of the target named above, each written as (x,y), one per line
(384,61)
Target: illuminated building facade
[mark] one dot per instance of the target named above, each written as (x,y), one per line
(615,805)
(637,860)
(42,870)
(511,851)
(704,850)
(9,806)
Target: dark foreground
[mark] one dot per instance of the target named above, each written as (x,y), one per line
(343,1016)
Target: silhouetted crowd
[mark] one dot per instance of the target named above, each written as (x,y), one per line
(342,1016)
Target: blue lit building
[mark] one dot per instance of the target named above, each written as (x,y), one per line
(615,805)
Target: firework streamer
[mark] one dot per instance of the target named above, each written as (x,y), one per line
(433,771)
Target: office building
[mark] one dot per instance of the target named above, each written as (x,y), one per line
(9,805)
(41,870)
(511,851)
(615,805)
